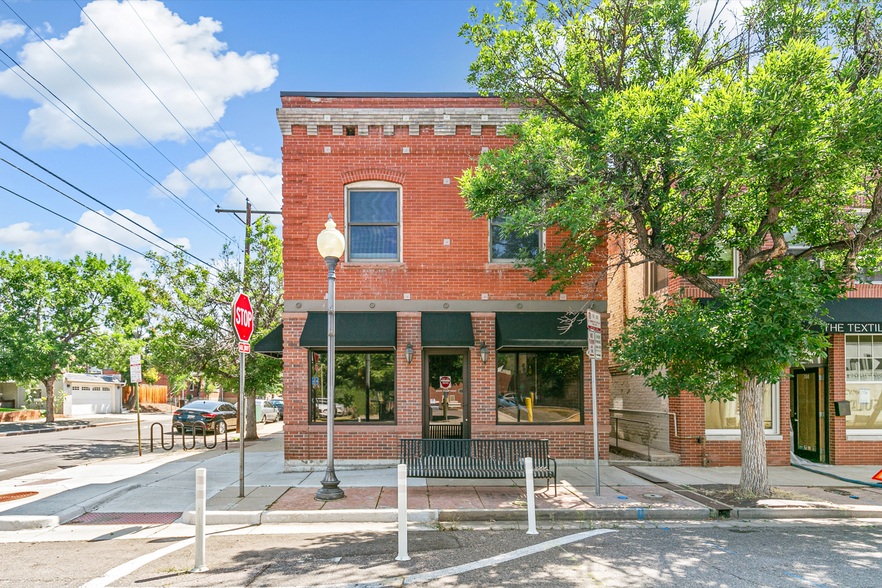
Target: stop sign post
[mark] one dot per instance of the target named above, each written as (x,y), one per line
(243,323)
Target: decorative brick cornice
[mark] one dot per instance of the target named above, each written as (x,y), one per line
(373,173)
(443,120)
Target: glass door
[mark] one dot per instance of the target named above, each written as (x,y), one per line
(808,414)
(446,395)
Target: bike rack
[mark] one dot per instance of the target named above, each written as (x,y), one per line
(184,437)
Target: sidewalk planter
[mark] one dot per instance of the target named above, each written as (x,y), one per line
(14,416)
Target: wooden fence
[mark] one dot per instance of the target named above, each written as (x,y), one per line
(147,394)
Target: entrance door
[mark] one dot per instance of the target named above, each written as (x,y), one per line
(446,404)
(808,414)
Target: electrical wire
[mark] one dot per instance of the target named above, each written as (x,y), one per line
(72,221)
(5,2)
(69,197)
(116,151)
(86,194)
(195,93)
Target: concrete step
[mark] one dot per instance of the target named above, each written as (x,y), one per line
(637,451)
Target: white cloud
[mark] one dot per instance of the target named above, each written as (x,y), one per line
(57,244)
(10,30)
(216,74)
(263,185)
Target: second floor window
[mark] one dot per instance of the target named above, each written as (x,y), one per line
(374,225)
(724,266)
(656,278)
(508,248)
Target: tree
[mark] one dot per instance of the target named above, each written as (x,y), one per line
(194,333)
(666,141)
(51,311)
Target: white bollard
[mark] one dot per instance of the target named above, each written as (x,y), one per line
(402,513)
(200,522)
(531,498)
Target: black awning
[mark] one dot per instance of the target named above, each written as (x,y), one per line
(354,329)
(447,329)
(271,344)
(538,329)
(854,315)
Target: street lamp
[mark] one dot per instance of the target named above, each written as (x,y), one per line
(331,245)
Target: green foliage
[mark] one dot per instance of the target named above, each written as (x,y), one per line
(758,327)
(194,334)
(51,312)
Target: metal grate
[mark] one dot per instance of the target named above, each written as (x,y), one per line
(126,518)
(42,482)
(16,496)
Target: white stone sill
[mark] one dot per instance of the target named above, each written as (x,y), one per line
(738,437)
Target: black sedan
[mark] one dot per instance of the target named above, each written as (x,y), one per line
(217,416)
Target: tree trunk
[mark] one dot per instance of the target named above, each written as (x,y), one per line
(250,419)
(754,470)
(49,383)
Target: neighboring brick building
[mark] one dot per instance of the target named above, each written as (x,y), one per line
(708,433)
(423,280)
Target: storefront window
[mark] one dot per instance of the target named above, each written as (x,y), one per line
(364,389)
(723,417)
(863,381)
(539,387)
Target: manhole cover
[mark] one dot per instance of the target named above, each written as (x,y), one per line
(42,482)
(652,496)
(126,518)
(16,496)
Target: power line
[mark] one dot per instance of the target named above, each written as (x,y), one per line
(154,244)
(72,221)
(195,93)
(86,194)
(114,110)
(116,151)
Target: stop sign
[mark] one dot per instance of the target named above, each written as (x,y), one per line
(445,382)
(243,317)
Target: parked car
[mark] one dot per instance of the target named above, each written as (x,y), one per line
(322,405)
(280,405)
(266,412)
(217,416)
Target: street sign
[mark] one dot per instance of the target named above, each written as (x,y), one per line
(243,317)
(315,381)
(593,320)
(244,347)
(135,368)
(595,349)
(445,382)
(878,476)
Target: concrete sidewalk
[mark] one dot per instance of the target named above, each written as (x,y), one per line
(159,488)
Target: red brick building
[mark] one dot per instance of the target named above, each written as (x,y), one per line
(438,334)
(801,411)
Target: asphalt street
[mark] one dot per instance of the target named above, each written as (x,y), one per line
(679,556)
(21,455)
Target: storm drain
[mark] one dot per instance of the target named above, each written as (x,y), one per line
(126,518)
(16,496)
(42,482)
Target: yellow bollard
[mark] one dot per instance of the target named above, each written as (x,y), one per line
(529,402)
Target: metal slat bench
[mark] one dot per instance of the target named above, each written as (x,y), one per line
(477,458)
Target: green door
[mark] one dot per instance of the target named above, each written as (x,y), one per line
(808,414)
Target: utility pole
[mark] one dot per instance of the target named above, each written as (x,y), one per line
(242,409)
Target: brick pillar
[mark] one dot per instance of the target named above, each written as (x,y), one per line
(409,377)
(836,383)
(690,425)
(483,384)
(295,386)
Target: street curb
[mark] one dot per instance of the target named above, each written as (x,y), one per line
(20,523)
(278,517)
(60,429)
(598,514)
(82,508)
(804,513)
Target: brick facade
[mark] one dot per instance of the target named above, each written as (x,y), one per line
(421,144)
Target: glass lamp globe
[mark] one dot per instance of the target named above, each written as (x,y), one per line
(331,242)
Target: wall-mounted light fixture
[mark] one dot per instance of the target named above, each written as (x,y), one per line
(485,353)
(408,353)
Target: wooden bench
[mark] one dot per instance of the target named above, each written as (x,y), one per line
(477,458)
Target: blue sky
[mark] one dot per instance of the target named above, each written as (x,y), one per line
(237,56)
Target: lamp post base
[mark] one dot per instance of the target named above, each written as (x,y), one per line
(330,489)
